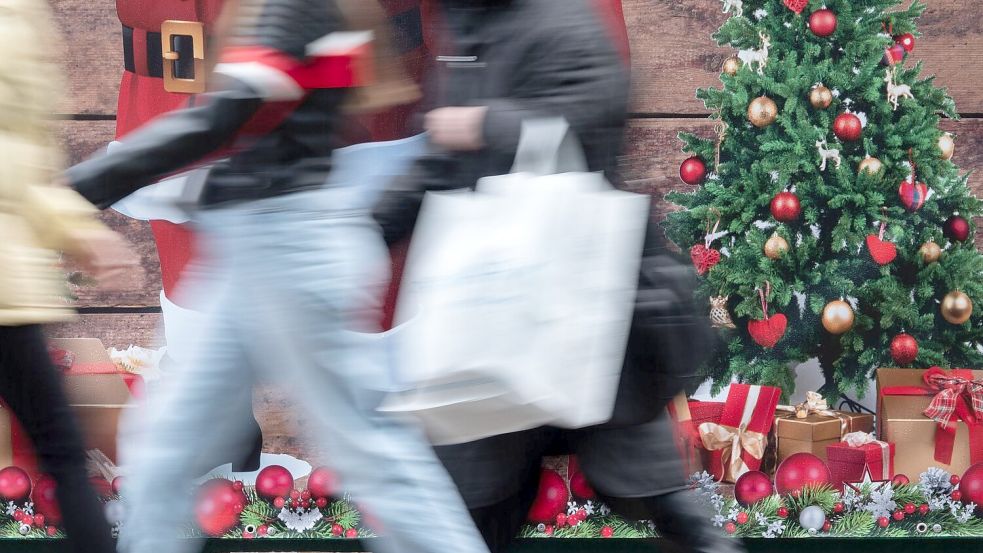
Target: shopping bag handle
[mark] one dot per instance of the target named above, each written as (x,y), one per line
(548,146)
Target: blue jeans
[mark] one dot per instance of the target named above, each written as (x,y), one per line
(291,290)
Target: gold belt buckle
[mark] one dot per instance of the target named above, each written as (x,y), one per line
(196,31)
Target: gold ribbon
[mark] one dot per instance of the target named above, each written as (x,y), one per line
(732,443)
(815,404)
(721,129)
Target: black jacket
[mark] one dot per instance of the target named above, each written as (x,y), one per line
(294,155)
(529,58)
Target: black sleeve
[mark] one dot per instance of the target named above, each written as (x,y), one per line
(166,144)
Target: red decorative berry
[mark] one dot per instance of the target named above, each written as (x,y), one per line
(39,520)
(263,530)
(742,518)
(295,504)
(28,520)
(581,513)
(607,532)
(883,522)
(730,528)
(954,480)
(337,530)
(305,495)
(52,531)
(294,494)
(827,526)
(549,530)
(910,509)
(782,512)
(838,508)
(322,502)
(237,486)
(923,509)
(247,535)
(898,515)
(561,520)
(279,502)
(18,515)
(956,495)
(351,533)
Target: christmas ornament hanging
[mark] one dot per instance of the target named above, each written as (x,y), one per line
(703,256)
(847,127)
(956,307)
(785,207)
(751,487)
(912,194)
(837,317)
(820,97)
(768,331)
(971,486)
(796,5)
(947,146)
(693,170)
(719,316)
(904,349)
(762,112)
(800,470)
(907,41)
(822,22)
(218,507)
(956,228)
(812,517)
(893,55)
(15,484)
(882,251)
(274,481)
(827,154)
(870,165)
(776,246)
(731,66)
(930,252)
(896,91)
(551,499)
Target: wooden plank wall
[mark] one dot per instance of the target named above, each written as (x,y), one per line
(672,53)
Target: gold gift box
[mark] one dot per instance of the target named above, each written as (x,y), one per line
(813,433)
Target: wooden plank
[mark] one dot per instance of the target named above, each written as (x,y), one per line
(673,53)
(116,330)
(92,54)
(79,140)
(651,162)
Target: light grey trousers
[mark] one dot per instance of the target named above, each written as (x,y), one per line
(291,289)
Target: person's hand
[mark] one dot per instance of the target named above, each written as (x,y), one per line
(107,257)
(457,128)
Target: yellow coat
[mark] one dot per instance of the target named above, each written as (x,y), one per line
(37,219)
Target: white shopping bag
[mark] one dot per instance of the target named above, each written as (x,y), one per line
(517,298)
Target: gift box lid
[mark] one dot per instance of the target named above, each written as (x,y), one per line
(816,427)
(867,453)
(904,407)
(706,411)
(93,380)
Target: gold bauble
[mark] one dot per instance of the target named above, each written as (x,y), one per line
(930,252)
(871,165)
(947,146)
(732,65)
(837,317)
(820,97)
(762,112)
(957,308)
(776,246)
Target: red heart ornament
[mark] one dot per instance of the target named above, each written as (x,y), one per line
(912,195)
(703,258)
(882,251)
(767,332)
(796,5)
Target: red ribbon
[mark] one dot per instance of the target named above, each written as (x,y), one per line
(956,397)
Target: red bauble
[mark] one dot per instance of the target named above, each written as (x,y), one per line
(956,228)
(971,486)
(751,487)
(693,170)
(118,485)
(561,519)
(912,194)
(904,350)
(337,530)
(217,506)
(730,528)
(900,479)
(351,533)
(321,502)
(923,509)
(827,526)
(15,484)
(883,522)
(274,481)
(782,512)
(551,499)
(785,207)
(742,517)
(279,502)
(822,22)
(847,127)
(800,470)
(44,499)
(893,55)
(580,487)
(322,482)
(954,480)
(607,532)
(767,332)
(907,41)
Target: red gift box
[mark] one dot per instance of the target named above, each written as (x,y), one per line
(848,459)
(737,442)
(706,411)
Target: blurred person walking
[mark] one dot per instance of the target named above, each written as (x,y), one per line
(37,220)
(292,278)
(508,61)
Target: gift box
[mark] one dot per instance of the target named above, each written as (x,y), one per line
(737,442)
(931,418)
(811,426)
(687,436)
(860,451)
(96,392)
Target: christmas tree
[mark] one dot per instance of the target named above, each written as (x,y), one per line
(831,221)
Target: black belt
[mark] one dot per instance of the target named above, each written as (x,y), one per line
(151,54)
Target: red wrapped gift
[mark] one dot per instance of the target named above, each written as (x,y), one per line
(706,411)
(858,451)
(737,442)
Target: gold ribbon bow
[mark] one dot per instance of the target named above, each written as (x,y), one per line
(732,443)
(815,403)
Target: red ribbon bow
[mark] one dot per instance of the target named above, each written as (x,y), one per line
(956,395)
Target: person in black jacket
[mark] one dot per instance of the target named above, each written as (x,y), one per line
(502,62)
(290,283)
